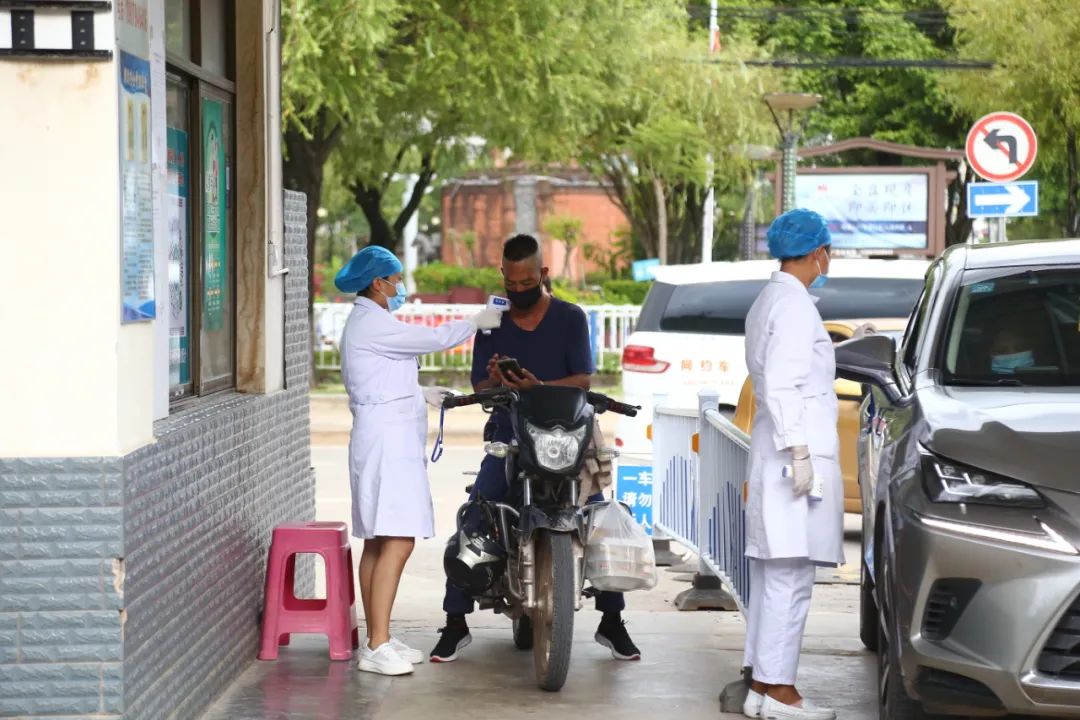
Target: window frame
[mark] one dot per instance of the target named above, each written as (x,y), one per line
(201,83)
(914,339)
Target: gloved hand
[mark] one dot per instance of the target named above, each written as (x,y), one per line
(864,330)
(487,319)
(434,395)
(802,471)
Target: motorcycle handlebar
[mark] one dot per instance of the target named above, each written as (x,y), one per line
(602,403)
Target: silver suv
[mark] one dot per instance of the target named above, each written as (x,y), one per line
(970,474)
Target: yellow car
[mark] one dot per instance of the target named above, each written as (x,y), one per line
(850,396)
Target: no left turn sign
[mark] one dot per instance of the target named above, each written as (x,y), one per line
(1001,147)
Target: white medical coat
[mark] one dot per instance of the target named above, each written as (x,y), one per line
(792,366)
(387,448)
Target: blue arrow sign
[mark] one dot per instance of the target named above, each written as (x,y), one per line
(1017,199)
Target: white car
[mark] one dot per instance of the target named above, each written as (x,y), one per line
(691,331)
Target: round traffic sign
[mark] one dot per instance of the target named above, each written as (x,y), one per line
(1001,147)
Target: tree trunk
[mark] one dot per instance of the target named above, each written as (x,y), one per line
(302,170)
(661,220)
(370,201)
(1072,219)
(369,198)
(957,222)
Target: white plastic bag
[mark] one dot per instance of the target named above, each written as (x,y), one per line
(618,554)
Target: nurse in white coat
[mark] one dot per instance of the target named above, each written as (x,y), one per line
(391,500)
(794,516)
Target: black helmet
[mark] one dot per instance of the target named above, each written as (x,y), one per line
(474,558)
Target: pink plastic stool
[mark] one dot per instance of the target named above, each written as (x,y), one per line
(284,613)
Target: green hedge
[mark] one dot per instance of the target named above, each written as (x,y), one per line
(630,292)
(439,277)
(442,278)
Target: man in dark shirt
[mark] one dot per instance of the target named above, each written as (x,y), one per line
(550,340)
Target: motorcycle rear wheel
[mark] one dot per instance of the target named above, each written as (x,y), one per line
(553,618)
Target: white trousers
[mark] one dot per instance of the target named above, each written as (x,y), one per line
(780,593)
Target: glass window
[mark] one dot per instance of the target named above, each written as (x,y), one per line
(214,36)
(216,341)
(1021,328)
(178,27)
(178,203)
(720,308)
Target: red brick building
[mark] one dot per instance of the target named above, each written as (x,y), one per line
(483,209)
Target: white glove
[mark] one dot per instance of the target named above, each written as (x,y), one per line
(487,319)
(802,470)
(864,330)
(434,395)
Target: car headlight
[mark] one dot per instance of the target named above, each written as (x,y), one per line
(556,449)
(949,482)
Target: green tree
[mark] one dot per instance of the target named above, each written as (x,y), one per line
(1035,47)
(329,57)
(654,135)
(567,230)
(905,103)
(515,74)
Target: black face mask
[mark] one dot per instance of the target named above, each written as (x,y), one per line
(525,299)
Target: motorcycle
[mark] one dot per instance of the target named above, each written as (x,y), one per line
(526,560)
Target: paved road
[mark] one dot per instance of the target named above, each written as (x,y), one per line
(688,657)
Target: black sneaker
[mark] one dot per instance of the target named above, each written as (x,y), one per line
(455,638)
(612,635)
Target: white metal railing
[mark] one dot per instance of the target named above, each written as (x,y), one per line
(609,327)
(700,465)
(675,474)
(724,459)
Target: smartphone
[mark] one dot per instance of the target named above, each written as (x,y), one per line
(510,365)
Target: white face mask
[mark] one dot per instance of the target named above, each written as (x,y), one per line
(822,277)
(394,302)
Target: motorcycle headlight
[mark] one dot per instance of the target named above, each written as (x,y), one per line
(949,482)
(556,449)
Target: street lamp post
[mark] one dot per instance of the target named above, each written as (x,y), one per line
(755,154)
(785,109)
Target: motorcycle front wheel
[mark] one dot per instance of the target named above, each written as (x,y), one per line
(553,618)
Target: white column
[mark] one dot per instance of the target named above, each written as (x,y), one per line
(408,237)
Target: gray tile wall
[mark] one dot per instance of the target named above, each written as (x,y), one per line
(132,587)
(60,530)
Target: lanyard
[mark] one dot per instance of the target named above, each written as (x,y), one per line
(436,452)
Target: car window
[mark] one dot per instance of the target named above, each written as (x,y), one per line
(910,346)
(720,308)
(1018,329)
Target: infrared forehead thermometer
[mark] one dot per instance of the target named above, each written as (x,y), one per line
(498,303)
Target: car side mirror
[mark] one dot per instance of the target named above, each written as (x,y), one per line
(869,360)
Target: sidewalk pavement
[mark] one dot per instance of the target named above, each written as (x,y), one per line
(687,657)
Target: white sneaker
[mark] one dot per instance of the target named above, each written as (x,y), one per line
(752,706)
(383,660)
(775,710)
(408,654)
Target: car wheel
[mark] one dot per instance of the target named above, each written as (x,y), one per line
(869,626)
(893,701)
(868,612)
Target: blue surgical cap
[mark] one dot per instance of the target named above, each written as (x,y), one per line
(797,233)
(370,263)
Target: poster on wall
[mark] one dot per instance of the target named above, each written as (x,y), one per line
(215,228)
(868,211)
(137,204)
(136,179)
(176,209)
